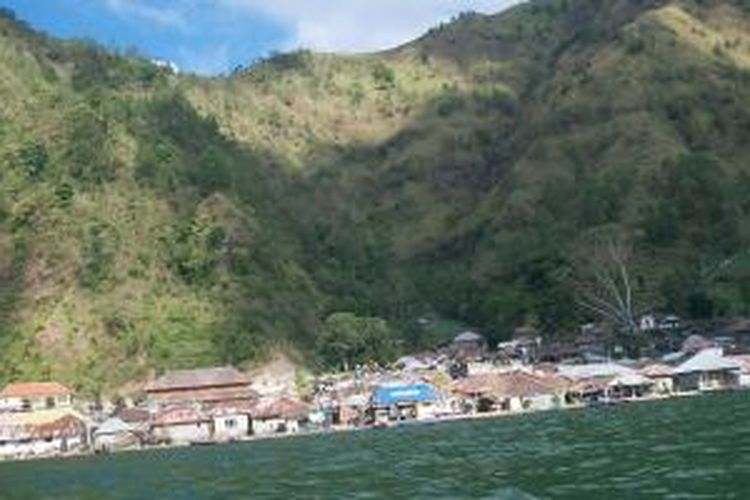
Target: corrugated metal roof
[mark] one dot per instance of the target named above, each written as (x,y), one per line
(707,360)
(468,336)
(608,369)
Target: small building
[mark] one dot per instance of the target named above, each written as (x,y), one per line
(469,346)
(34,396)
(708,370)
(115,434)
(280,416)
(201,386)
(181,425)
(512,391)
(744,363)
(630,387)
(42,433)
(399,401)
(662,377)
(231,420)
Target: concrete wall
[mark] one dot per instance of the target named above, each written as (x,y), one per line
(271,426)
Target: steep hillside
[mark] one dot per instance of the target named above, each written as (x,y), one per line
(149,220)
(134,235)
(499,149)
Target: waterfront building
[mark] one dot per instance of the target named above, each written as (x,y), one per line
(200,386)
(41,433)
(33,396)
(629,387)
(512,391)
(400,401)
(181,425)
(115,434)
(708,370)
(662,377)
(280,416)
(744,362)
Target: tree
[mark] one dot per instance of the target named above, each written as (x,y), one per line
(347,339)
(603,283)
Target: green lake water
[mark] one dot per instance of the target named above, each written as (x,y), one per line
(680,449)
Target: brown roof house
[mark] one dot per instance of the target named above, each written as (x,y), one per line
(201,386)
(512,391)
(33,396)
(280,416)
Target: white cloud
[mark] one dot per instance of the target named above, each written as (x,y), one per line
(361,25)
(163,16)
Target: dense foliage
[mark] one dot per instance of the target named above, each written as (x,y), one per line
(351,207)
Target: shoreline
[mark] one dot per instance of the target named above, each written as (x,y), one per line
(497,415)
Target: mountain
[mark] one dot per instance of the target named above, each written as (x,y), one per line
(151,220)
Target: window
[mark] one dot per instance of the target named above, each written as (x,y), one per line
(26,404)
(230,423)
(50,402)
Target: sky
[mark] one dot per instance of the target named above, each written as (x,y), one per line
(210,37)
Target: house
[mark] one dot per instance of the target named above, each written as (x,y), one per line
(280,416)
(708,370)
(662,377)
(231,420)
(658,322)
(744,362)
(401,401)
(202,386)
(511,392)
(737,332)
(116,434)
(33,396)
(629,387)
(469,346)
(42,433)
(181,425)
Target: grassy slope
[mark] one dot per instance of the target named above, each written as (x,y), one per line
(458,174)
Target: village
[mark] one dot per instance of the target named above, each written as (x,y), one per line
(462,379)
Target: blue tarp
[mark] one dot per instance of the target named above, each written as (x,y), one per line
(387,395)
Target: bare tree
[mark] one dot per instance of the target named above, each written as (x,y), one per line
(601,276)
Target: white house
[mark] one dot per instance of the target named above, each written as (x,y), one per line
(33,396)
(281,416)
(662,377)
(182,426)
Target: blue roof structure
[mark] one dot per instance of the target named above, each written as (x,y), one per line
(388,395)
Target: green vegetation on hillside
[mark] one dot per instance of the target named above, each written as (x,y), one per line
(326,203)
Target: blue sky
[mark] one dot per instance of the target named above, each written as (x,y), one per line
(214,36)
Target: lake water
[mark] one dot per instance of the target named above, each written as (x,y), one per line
(681,449)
